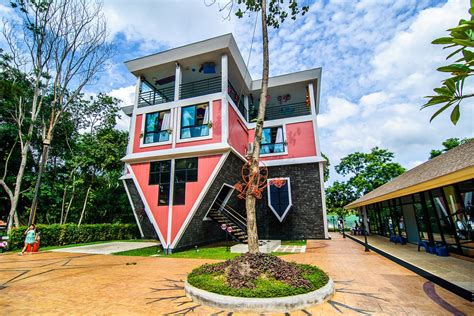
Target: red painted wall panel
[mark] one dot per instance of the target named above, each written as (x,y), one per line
(300,138)
(238,134)
(160,213)
(206,166)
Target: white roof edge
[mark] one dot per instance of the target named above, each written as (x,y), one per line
(182,52)
(300,76)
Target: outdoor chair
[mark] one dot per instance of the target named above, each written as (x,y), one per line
(442,251)
(423,244)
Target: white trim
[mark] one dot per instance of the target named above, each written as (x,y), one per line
(147,209)
(193,139)
(224,73)
(323,200)
(237,111)
(180,103)
(315,119)
(291,161)
(125,176)
(170,201)
(285,146)
(189,151)
(143,134)
(280,218)
(133,119)
(199,199)
(177,81)
(226,199)
(286,121)
(133,208)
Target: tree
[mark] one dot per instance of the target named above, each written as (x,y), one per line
(64,41)
(327,164)
(451,93)
(272,16)
(368,171)
(338,195)
(448,144)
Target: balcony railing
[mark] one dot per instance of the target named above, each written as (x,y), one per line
(155,96)
(238,100)
(275,112)
(200,87)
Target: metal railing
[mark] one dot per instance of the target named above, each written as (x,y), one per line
(156,96)
(200,87)
(238,100)
(274,112)
(233,215)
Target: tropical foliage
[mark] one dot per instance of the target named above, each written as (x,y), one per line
(452,93)
(448,144)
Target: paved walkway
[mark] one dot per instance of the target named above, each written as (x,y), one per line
(455,270)
(290,249)
(108,247)
(65,283)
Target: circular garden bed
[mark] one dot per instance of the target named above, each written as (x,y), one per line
(258,282)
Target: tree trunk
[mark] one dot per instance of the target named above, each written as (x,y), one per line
(84,206)
(64,196)
(254,164)
(19,178)
(44,159)
(69,204)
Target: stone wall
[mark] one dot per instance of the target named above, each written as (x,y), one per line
(148,230)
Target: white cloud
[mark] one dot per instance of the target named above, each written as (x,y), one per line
(339,110)
(126,95)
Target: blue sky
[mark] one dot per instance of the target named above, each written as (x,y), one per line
(376,56)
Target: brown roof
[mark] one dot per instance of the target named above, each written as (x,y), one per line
(456,160)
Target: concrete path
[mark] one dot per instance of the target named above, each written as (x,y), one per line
(86,284)
(107,248)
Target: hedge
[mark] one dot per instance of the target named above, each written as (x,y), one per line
(59,235)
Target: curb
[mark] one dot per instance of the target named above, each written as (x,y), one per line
(248,304)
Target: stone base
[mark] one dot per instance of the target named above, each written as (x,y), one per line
(260,305)
(266,246)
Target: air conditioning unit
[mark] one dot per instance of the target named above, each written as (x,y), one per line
(249,149)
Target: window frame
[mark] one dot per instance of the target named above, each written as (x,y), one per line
(290,200)
(143,129)
(192,139)
(285,144)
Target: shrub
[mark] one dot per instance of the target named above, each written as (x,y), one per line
(258,275)
(59,235)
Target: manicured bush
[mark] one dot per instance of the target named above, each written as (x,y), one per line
(59,235)
(258,275)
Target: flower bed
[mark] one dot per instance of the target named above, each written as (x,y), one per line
(258,276)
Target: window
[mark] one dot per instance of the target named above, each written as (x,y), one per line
(160,172)
(279,197)
(186,170)
(272,140)
(156,127)
(194,121)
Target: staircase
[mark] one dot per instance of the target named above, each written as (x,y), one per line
(224,214)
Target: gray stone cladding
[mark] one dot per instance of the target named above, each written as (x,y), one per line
(201,232)
(305,218)
(147,227)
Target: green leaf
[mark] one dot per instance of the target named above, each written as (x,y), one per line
(454,68)
(450,85)
(439,111)
(455,114)
(444,91)
(443,40)
(464,42)
(468,55)
(437,99)
(455,52)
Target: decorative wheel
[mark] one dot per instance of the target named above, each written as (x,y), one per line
(252,182)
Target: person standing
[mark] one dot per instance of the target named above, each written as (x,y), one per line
(30,238)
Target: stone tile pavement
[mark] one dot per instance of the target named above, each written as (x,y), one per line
(108,248)
(290,249)
(73,284)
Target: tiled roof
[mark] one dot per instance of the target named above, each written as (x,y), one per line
(454,160)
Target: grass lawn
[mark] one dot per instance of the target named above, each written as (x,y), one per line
(293,242)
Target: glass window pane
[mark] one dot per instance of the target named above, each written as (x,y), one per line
(188,116)
(179,194)
(164,194)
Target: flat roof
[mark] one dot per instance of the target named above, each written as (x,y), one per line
(454,166)
(226,44)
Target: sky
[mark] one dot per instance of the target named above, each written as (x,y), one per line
(376,58)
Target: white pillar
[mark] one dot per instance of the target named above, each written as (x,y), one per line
(177,82)
(225,73)
(246,106)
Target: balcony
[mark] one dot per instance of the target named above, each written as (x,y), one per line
(200,87)
(280,111)
(238,100)
(154,96)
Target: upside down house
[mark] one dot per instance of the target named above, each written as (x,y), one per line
(191,131)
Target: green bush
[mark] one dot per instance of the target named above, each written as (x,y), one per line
(59,235)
